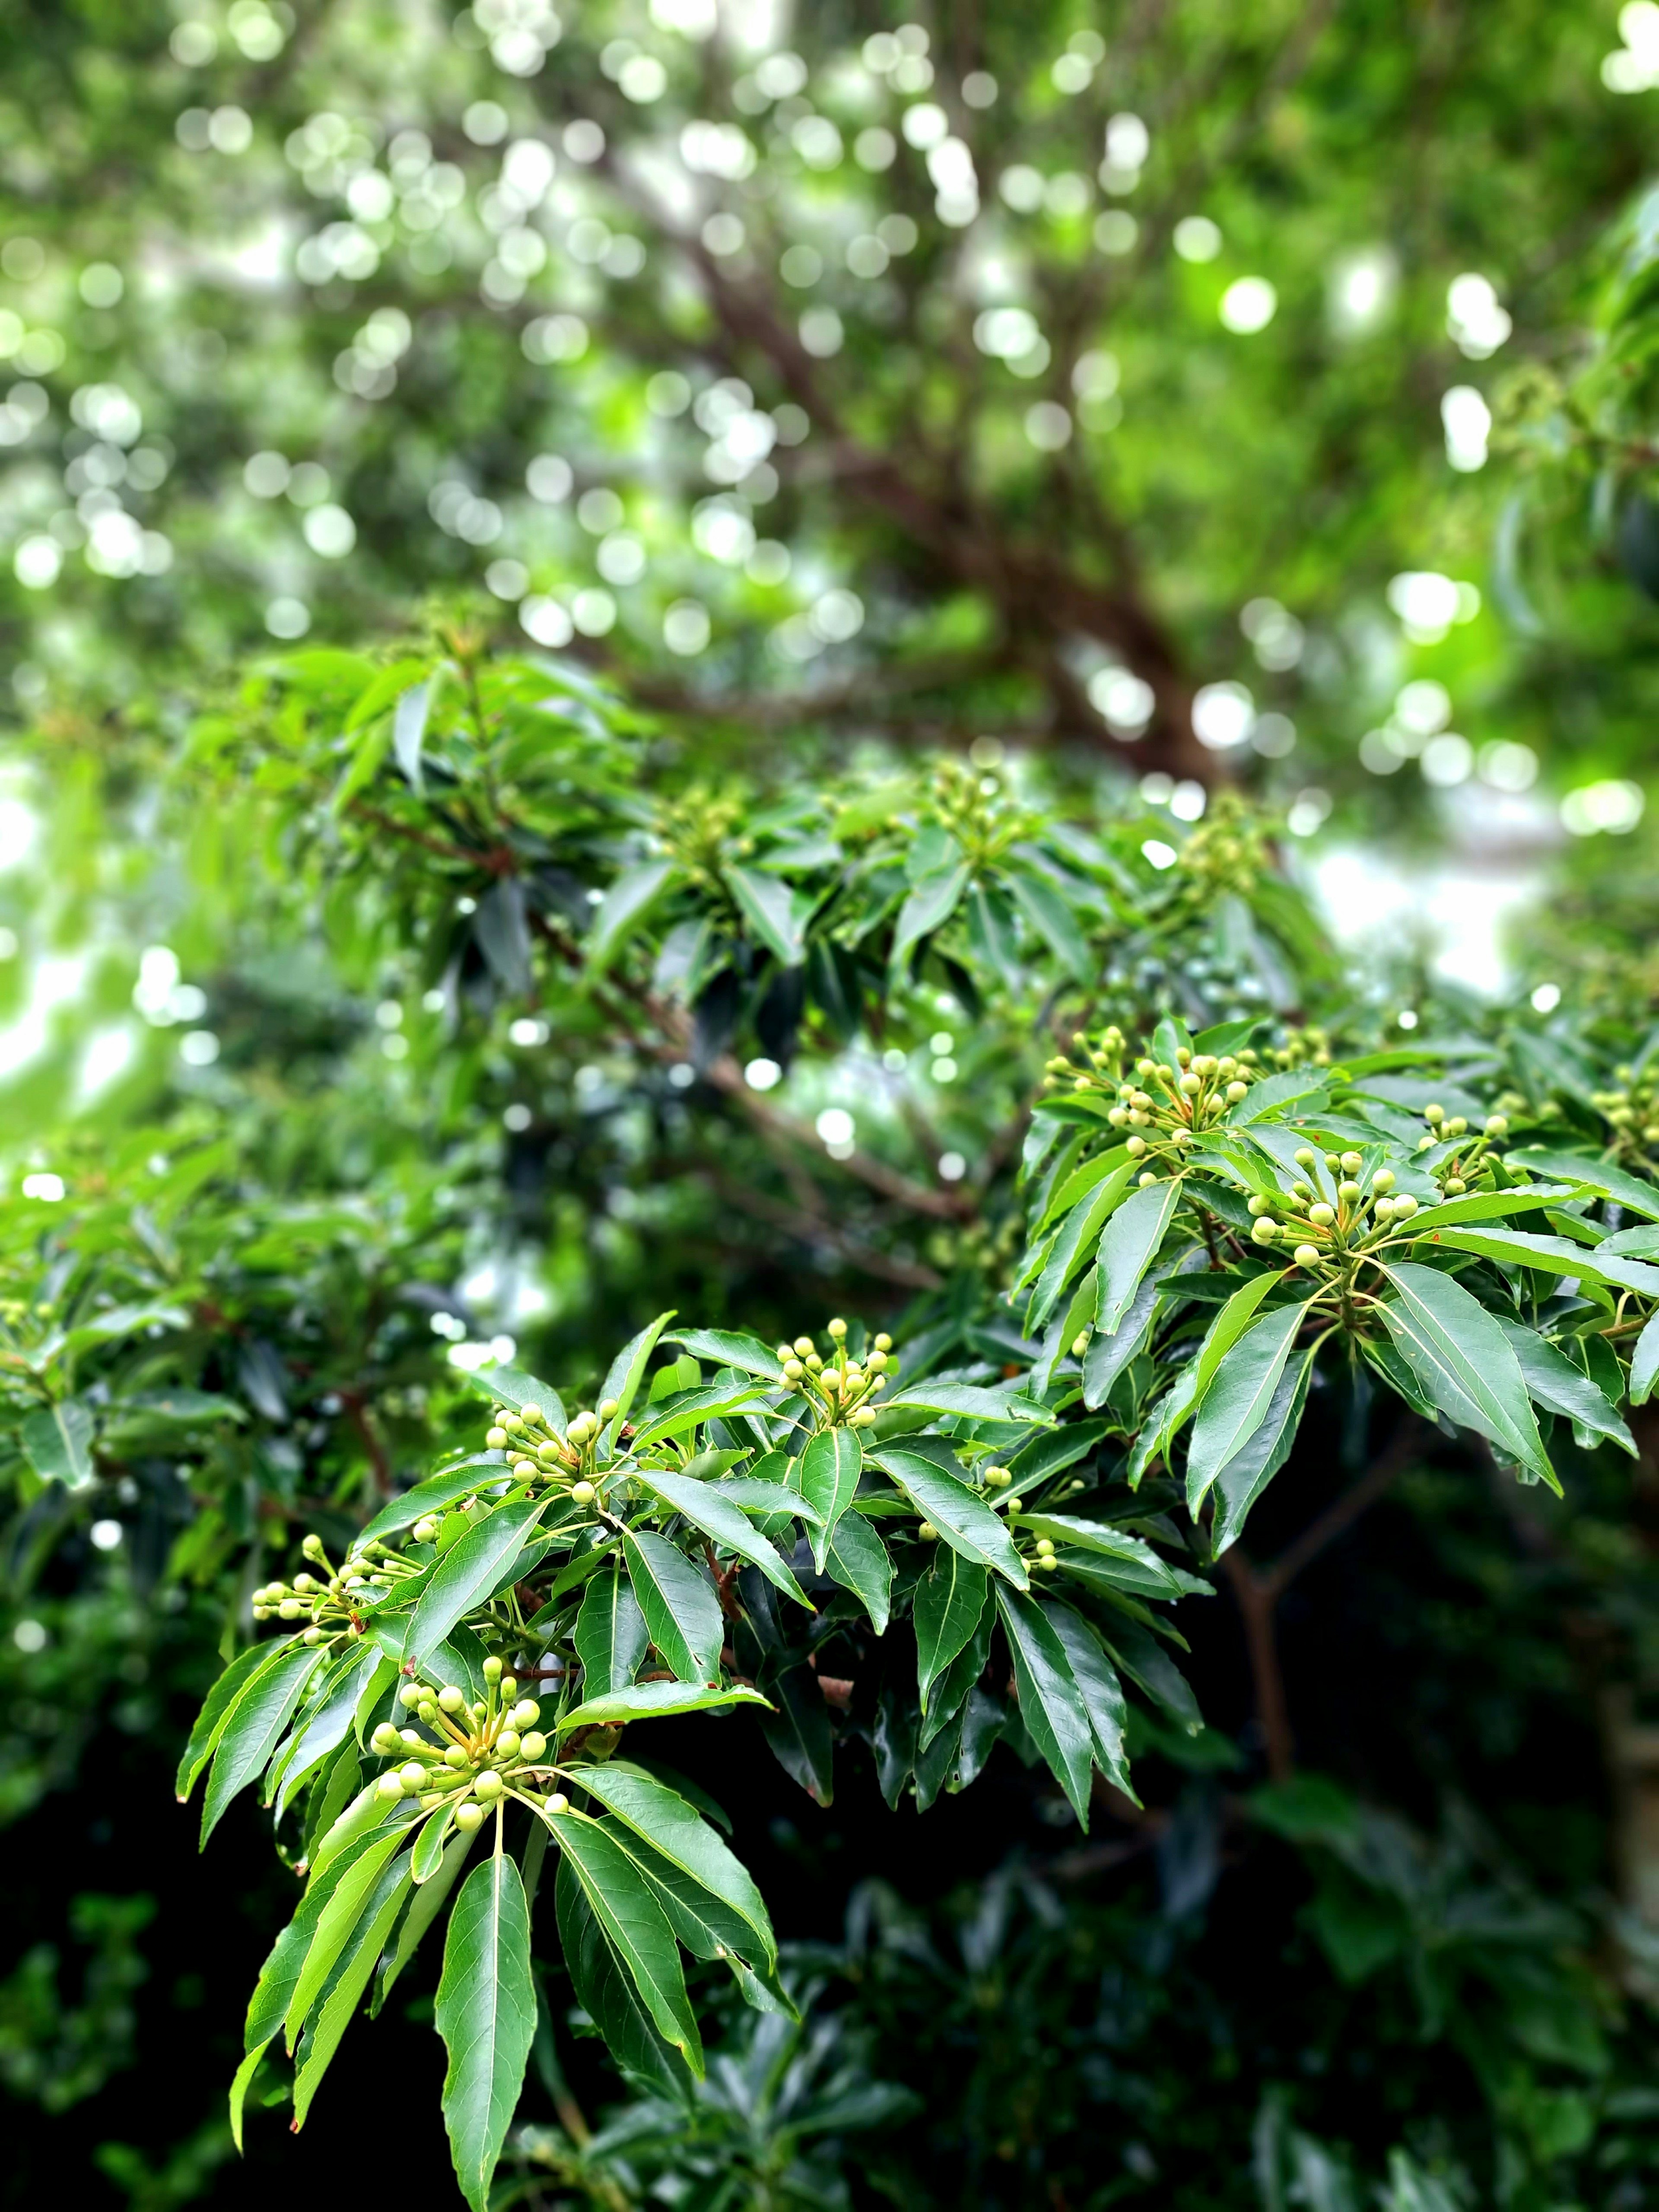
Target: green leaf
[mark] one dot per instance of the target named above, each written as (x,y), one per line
(648,1701)
(932,901)
(1553,1382)
(468,1574)
(1488,1205)
(993,937)
(858,1560)
(828,1475)
(1077,1238)
(57,1442)
(486,2015)
(424,1907)
(756,1495)
(946,1698)
(1238,1400)
(702,1505)
(1100,1690)
(627,1372)
(611,1636)
(1250,1469)
(210,1721)
(681,1610)
(948,1601)
(1053,922)
(1130,1245)
(767,904)
(409,731)
(511,1386)
(1229,1325)
(798,1731)
(635,1923)
(1079,1184)
(435,1493)
(1638,1197)
(348,1900)
(1554,1255)
(1050,1704)
(1140,1656)
(606,1993)
(729,1348)
(1464,1361)
(690,1408)
(254,1728)
(350,1978)
(678,1832)
(428,1854)
(1644,1363)
(963,1518)
(970,1400)
(1151,1575)
(623,909)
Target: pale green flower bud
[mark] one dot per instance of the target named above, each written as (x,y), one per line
(1321,1215)
(533,1746)
(489,1786)
(469,1818)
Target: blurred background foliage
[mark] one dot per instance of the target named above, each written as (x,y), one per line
(472,481)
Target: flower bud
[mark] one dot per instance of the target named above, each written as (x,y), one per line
(1146,1181)
(456,1758)
(1136,1147)
(558,1802)
(998,1477)
(1119,1117)
(786,1353)
(1404,1207)
(384,1738)
(1455,1186)
(1305,1156)
(837,1328)
(1191,1084)
(609,1409)
(1306,1255)
(1347,1191)
(492,1669)
(876,1361)
(495,1438)
(526,1713)
(531,1415)
(290,1609)
(1352,1163)
(1497,1125)
(506,1743)
(411,1694)
(1045,1545)
(390,1787)
(1434,1114)
(450,1699)
(1382,1180)
(411,1774)
(1321,1215)
(533,1746)
(582,1494)
(1264,1231)
(883,1342)
(927,1533)
(424,1529)
(312,1636)
(1079,1344)
(1047,1562)
(469,1818)
(489,1786)
(1260,1204)
(1235,1091)
(304,1584)
(864,1418)
(1383,1211)
(803,1348)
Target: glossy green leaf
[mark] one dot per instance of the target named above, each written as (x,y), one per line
(611,1636)
(1150,1573)
(675,1828)
(948,1601)
(1644,1363)
(483,1472)
(1631,1192)
(1464,1361)
(347,1983)
(1076,1241)
(636,1924)
(57,1442)
(468,1574)
(1250,1469)
(424,1906)
(681,1613)
(511,1386)
(1555,1255)
(1131,1243)
(1238,1399)
(930,904)
(486,2015)
(857,1558)
(606,1992)
(767,904)
(216,1710)
(756,1495)
(1555,1383)
(1100,1690)
(348,1900)
(1050,1704)
(627,1372)
(963,1518)
(253,1727)
(624,909)
(729,1348)
(1053,922)
(655,1701)
(704,1507)
(798,1730)
(973,1399)
(828,1475)
(692,1409)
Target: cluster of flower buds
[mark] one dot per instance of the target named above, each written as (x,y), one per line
(1162,1108)
(1471,1156)
(972,805)
(841,1390)
(1632,1112)
(1321,1233)
(698,827)
(471,1754)
(1228,850)
(333,1600)
(535,1448)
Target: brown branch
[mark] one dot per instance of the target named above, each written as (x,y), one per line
(357,1412)
(810,1227)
